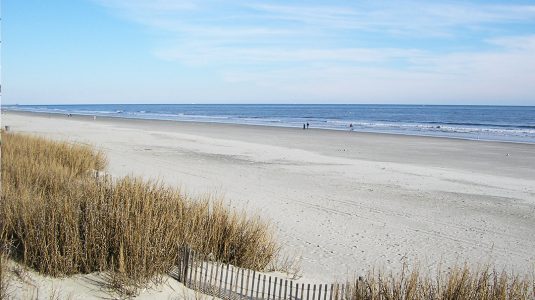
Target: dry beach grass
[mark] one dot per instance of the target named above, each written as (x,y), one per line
(460,282)
(59,217)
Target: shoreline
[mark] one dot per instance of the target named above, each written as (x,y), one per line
(272,126)
(341,201)
(424,149)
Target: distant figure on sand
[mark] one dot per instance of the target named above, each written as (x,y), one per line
(351,126)
(307,125)
(304,126)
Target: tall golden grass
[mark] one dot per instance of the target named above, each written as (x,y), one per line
(458,283)
(60,217)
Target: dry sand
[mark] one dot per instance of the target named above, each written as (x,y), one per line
(344,202)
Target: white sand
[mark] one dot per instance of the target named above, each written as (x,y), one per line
(343,201)
(26,284)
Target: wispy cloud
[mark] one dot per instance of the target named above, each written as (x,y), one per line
(349,49)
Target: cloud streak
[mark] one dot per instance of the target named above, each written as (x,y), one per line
(448,50)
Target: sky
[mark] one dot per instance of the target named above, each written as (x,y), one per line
(340,51)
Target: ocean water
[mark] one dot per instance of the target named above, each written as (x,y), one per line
(496,123)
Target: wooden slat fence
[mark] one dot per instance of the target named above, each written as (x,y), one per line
(229,282)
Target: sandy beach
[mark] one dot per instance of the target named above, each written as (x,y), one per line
(343,202)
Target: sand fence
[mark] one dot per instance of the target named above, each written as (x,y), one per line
(226,281)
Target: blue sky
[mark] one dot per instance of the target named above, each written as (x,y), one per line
(162,51)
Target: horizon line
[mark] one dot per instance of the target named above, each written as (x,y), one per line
(230,103)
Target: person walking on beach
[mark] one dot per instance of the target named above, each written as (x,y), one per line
(307,125)
(304,126)
(350,126)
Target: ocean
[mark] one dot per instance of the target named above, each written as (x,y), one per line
(493,123)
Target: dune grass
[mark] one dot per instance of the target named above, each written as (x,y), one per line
(60,217)
(460,282)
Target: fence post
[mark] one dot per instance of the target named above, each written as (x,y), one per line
(332,288)
(263,286)
(220,279)
(200,274)
(231,279)
(319,292)
(190,266)
(186,266)
(179,263)
(194,268)
(237,282)
(275,288)
(182,263)
(252,285)
(211,274)
(241,283)
(280,288)
(285,288)
(226,279)
(269,287)
(291,286)
(215,277)
(258,285)
(206,274)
